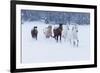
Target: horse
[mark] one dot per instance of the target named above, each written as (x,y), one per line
(34,32)
(75,39)
(66,33)
(48,31)
(58,32)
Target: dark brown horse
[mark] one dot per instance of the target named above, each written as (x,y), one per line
(34,32)
(58,32)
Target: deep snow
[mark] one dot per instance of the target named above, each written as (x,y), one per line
(48,50)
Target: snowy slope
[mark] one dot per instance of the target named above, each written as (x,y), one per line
(48,50)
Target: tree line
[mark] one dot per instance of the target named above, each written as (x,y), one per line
(55,17)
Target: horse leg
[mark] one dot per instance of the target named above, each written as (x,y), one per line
(77,42)
(60,38)
(57,38)
(70,41)
(73,42)
(36,37)
(54,37)
(65,38)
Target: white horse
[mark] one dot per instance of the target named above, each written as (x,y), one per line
(65,33)
(70,34)
(75,40)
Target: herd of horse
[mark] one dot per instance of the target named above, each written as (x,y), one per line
(69,34)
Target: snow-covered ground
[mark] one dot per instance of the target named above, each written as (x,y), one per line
(48,50)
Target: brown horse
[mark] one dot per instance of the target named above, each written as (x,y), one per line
(34,32)
(48,31)
(58,32)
